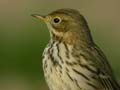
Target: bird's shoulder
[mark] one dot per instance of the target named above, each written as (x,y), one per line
(96,56)
(104,71)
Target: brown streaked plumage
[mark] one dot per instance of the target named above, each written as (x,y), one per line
(72,19)
(72,61)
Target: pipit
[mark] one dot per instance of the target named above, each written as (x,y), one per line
(72,61)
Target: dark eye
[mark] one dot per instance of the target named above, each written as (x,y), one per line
(56,20)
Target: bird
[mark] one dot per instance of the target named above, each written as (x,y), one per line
(71,59)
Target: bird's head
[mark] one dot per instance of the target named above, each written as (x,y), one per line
(66,24)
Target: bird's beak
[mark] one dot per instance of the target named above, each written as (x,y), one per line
(41,17)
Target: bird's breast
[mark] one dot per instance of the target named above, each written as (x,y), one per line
(62,69)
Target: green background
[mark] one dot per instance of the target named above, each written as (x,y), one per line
(23,38)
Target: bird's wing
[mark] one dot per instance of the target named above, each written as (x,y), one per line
(105,72)
(108,82)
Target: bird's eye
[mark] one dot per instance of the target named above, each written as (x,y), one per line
(56,20)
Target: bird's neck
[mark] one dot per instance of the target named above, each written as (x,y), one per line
(74,39)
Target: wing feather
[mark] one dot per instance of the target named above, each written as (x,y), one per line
(108,82)
(105,72)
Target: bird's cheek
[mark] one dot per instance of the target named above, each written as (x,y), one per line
(55,30)
(58,28)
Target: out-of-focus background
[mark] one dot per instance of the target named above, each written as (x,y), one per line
(23,38)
